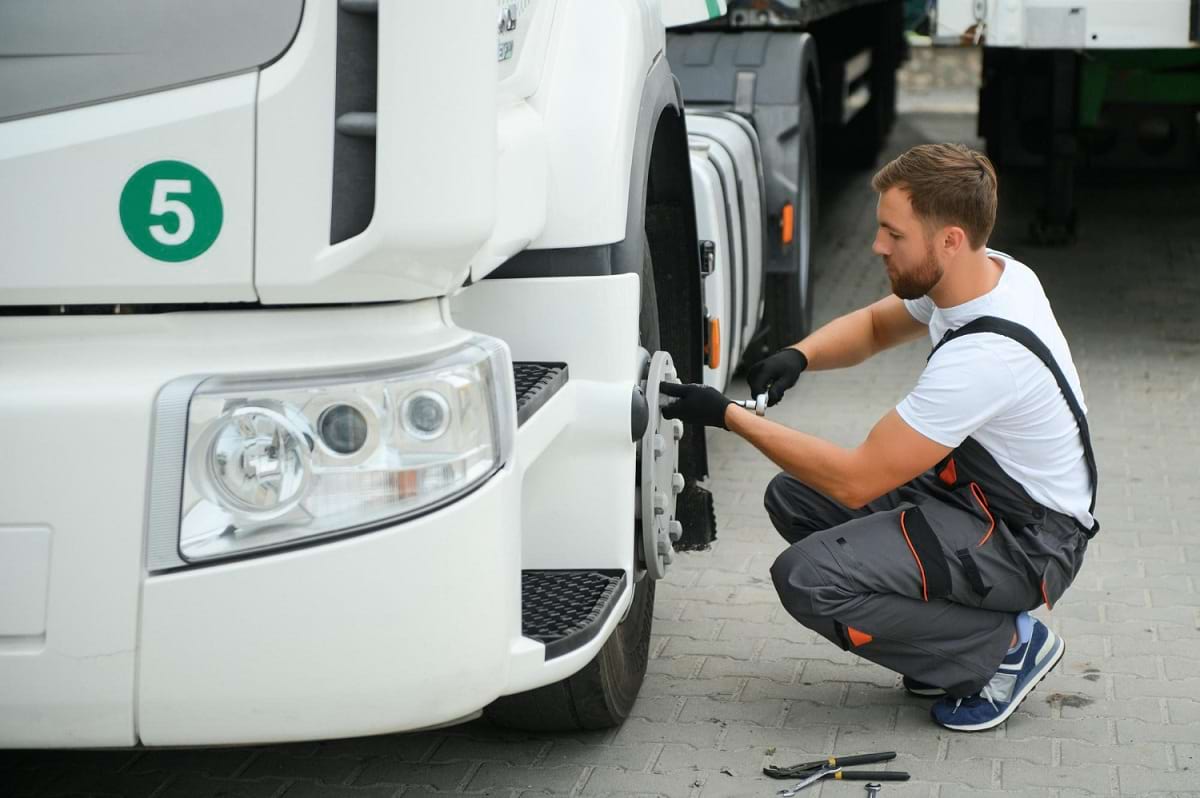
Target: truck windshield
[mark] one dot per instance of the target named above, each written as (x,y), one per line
(57,54)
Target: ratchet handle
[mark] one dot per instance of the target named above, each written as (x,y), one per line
(862,759)
(757,405)
(872,775)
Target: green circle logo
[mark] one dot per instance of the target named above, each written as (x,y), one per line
(171,211)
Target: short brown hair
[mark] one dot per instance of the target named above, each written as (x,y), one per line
(947,184)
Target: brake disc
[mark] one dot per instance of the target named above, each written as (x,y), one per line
(660,483)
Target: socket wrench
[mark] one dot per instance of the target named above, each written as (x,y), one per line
(758,404)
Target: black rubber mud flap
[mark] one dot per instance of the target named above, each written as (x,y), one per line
(694,509)
(682,334)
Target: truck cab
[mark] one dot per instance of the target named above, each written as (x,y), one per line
(330,344)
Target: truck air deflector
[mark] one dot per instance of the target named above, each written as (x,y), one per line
(355,104)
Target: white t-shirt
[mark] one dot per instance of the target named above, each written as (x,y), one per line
(995,390)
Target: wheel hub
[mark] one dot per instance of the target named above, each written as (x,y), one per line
(660,482)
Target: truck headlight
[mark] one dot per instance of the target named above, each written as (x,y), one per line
(275,460)
(256,462)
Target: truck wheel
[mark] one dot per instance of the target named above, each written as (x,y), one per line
(601,694)
(789,301)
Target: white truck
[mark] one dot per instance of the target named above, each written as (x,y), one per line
(816,79)
(330,343)
(1082,84)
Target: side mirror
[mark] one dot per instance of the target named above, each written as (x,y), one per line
(685,12)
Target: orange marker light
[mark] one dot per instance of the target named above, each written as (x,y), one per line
(787,223)
(712,347)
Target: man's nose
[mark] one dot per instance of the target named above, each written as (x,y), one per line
(878,247)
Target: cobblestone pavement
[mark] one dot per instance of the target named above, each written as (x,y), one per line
(734,683)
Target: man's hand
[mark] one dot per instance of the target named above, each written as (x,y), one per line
(695,404)
(776,373)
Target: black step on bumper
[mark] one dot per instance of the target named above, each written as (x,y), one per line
(535,384)
(565,610)
(562,609)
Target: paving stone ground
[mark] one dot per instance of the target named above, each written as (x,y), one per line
(735,684)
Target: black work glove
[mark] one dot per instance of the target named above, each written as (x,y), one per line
(695,404)
(775,374)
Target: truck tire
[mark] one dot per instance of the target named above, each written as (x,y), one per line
(789,296)
(600,695)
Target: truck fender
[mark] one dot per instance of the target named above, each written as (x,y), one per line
(660,211)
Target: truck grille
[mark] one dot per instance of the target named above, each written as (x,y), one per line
(354,119)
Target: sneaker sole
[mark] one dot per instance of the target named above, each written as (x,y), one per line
(1055,658)
(936,692)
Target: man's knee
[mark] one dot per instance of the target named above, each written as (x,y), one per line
(803,581)
(781,501)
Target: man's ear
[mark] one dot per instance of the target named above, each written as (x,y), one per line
(952,240)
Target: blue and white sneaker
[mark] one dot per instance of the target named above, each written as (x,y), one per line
(1019,673)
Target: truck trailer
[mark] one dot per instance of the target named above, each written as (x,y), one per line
(1082,84)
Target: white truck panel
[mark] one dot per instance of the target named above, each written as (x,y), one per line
(575,455)
(711,225)
(589,99)
(736,274)
(739,140)
(748,152)
(685,12)
(295,162)
(521,69)
(24,578)
(392,630)
(71,683)
(552,171)
(1069,24)
(426,225)
(954,18)
(521,183)
(74,684)
(63,175)
(397,626)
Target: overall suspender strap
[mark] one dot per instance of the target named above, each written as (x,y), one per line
(1024,336)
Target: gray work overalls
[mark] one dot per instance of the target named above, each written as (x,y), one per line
(926,579)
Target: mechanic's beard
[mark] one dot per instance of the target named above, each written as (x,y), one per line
(917,282)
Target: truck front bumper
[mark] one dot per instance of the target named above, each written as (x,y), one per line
(400,627)
(405,626)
